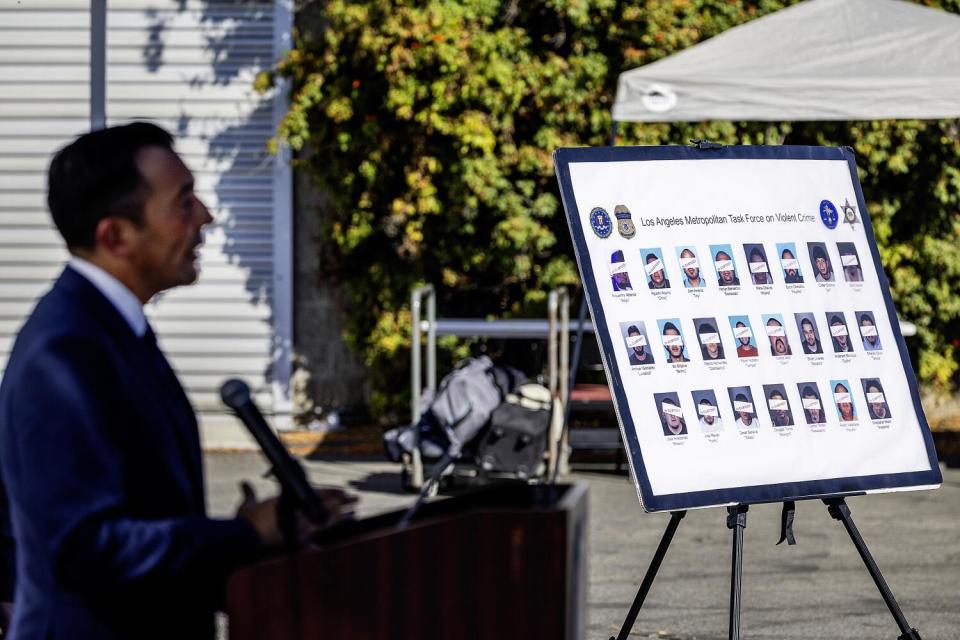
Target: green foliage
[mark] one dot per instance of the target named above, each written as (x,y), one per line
(431,124)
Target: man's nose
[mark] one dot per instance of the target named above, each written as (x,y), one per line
(205,217)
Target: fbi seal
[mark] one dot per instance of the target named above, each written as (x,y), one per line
(601,223)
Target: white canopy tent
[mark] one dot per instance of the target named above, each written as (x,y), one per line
(817,60)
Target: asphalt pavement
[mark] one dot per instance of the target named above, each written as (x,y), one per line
(815,590)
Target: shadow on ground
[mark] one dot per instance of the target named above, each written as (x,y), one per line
(380,483)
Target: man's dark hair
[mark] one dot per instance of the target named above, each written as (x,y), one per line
(96,177)
(706,327)
(809,392)
(651,257)
(756,253)
(670,325)
(633,329)
(740,397)
(806,321)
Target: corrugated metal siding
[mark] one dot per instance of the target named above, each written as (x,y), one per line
(44,100)
(188,66)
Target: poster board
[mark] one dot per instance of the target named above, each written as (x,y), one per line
(745,324)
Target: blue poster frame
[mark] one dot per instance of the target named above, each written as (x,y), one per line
(753,494)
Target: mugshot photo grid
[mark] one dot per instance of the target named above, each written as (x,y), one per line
(639,347)
(775,341)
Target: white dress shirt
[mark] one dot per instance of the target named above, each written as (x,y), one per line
(126,304)
(711,428)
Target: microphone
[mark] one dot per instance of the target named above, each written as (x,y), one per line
(236,395)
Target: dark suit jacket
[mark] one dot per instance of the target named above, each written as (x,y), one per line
(100,461)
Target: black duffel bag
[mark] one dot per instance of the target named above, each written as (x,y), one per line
(516,438)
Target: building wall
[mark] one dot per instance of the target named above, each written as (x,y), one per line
(188,66)
(44,100)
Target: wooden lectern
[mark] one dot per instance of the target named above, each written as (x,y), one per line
(504,562)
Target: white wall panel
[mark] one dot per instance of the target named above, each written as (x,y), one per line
(188,66)
(44,101)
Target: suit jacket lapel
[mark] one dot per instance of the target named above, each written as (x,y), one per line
(148,370)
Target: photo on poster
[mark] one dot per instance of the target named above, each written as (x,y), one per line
(655,268)
(877,407)
(843,401)
(711,346)
(690,268)
(850,262)
(811,403)
(743,337)
(781,415)
(790,263)
(637,343)
(776,334)
(869,336)
(708,411)
(619,276)
(820,261)
(725,266)
(671,416)
(839,334)
(674,346)
(809,334)
(757,263)
(741,399)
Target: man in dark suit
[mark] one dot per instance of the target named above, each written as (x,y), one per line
(99,451)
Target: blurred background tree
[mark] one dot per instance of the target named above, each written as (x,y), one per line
(430,125)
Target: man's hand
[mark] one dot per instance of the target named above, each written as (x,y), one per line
(264,517)
(6,616)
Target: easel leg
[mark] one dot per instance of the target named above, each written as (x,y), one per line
(839,510)
(736,520)
(675,518)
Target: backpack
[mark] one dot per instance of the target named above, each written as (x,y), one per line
(458,410)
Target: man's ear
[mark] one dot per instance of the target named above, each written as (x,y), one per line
(115,236)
